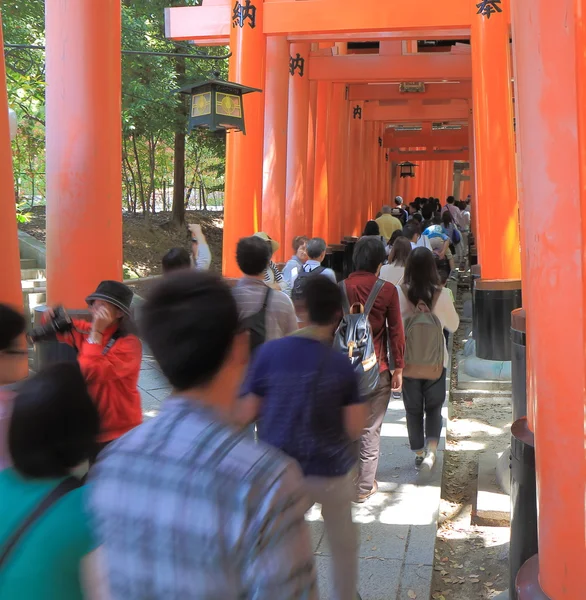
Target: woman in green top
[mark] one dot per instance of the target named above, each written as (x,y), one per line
(52,433)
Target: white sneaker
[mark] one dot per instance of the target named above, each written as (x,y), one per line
(428,461)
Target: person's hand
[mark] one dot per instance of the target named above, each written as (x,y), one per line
(195,230)
(397,380)
(103,317)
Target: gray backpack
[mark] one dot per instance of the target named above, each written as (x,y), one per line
(424,342)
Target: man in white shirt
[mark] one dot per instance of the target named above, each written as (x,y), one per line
(412,232)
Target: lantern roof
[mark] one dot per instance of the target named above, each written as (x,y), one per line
(407,164)
(191,87)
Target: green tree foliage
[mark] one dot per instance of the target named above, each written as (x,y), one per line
(153,116)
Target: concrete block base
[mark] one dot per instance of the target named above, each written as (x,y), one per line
(492,508)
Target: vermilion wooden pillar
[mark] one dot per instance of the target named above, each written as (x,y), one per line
(320,188)
(244,153)
(346,171)
(496,193)
(356,168)
(549,96)
(299,97)
(84,187)
(335,152)
(275,142)
(310,176)
(10,288)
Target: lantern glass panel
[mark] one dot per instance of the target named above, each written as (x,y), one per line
(201,104)
(228,105)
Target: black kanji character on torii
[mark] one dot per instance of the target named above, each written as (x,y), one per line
(357,112)
(297,63)
(489,7)
(242,13)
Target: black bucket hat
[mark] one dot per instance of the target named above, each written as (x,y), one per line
(115,293)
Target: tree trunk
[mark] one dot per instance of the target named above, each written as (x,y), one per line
(145,211)
(178,209)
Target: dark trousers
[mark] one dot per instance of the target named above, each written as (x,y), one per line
(423,400)
(378,403)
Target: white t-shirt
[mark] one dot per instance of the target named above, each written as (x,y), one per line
(422,242)
(393,274)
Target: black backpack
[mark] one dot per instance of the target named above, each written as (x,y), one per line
(300,280)
(256,324)
(354,338)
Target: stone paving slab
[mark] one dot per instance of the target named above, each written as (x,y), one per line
(398,526)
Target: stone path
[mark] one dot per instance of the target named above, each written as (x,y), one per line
(398,525)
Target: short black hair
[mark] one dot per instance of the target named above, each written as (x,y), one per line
(253,255)
(371,228)
(190,321)
(369,255)
(427,211)
(450,200)
(323,300)
(316,247)
(411,229)
(175,259)
(417,217)
(12,325)
(54,423)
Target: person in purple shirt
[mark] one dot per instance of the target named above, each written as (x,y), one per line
(308,406)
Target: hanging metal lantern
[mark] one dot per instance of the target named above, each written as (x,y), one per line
(216,105)
(407,169)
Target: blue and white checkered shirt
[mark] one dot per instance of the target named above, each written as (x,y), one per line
(188,508)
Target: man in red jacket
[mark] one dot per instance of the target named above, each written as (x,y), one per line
(109,355)
(387,330)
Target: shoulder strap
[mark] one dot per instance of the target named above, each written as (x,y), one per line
(345,301)
(111,342)
(266,300)
(378,286)
(66,486)
(318,270)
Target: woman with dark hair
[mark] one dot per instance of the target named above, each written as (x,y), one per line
(47,549)
(13,367)
(424,398)
(394,272)
(109,354)
(371,228)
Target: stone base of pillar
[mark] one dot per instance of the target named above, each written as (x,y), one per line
(527,584)
(494,300)
(523,499)
(519,363)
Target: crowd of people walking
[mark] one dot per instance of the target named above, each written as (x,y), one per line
(281,382)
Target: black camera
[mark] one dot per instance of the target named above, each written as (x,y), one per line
(60,323)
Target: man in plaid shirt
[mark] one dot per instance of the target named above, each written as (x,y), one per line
(185,505)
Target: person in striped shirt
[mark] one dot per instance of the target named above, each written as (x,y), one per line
(187,505)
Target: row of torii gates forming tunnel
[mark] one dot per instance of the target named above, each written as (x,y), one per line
(311,163)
